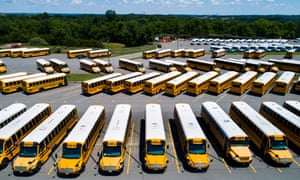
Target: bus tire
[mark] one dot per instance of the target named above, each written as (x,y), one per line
(39,166)
(4,163)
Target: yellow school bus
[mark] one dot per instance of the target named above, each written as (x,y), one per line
(60,66)
(33,52)
(136,84)
(297,85)
(288,55)
(243,82)
(149,54)
(44,66)
(89,66)
(104,66)
(99,53)
(34,85)
(16,52)
(284,82)
(115,139)
(197,53)
(231,64)
(95,85)
(155,153)
(7,76)
(162,53)
(158,84)
(79,144)
(3,68)
(37,146)
(202,65)
(249,54)
(269,140)
(218,53)
(260,53)
(177,53)
(285,120)
(222,82)
(11,112)
(132,65)
(5,52)
(287,64)
(78,53)
(193,142)
(179,84)
(16,84)
(15,131)
(262,84)
(161,65)
(232,140)
(180,66)
(117,84)
(199,84)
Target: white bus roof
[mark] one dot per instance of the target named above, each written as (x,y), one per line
(245,77)
(20,78)
(160,62)
(79,50)
(100,61)
(42,61)
(182,78)
(86,123)
(130,61)
(125,76)
(177,62)
(263,124)
(204,77)
(286,77)
(116,130)
(230,61)
(44,77)
(6,76)
(265,77)
(201,61)
(10,111)
(188,121)
(260,61)
(88,62)
(164,77)
(17,49)
(99,50)
(224,77)
(283,112)
(154,124)
(198,50)
(224,121)
(294,104)
(178,50)
(57,61)
(163,51)
(102,78)
(143,77)
(47,126)
(15,125)
(285,61)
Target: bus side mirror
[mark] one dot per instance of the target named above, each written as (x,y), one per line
(167,146)
(167,161)
(98,154)
(208,145)
(211,160)
(55,156)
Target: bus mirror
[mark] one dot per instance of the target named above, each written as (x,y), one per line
(98,154)
(167,146)
(211,160)
(167,161)
(208,145)
(55,156)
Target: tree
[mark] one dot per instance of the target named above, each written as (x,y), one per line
(110,15)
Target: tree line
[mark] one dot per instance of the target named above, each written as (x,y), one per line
(135,30)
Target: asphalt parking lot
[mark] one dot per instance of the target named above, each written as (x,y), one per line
(71,94)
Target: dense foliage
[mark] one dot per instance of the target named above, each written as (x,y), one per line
(133,30)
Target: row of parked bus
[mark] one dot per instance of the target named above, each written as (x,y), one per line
(89,53)
(161,53)
(174,83)
(31,83)
(29,136)
(24,52)
(52,65)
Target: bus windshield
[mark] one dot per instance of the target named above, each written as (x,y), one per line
(278,145)
(155,149)
(112,151)
(71,153)
(1,146)
(197,148)
(141,65)
(28,151)
(239,142)
(64,66)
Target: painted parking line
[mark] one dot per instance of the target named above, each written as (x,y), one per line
(173,148)
(279,170)
(226,165)
(296,162)
(53,166)
(252,167)
(129,151)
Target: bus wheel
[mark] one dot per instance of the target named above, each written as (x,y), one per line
(82,167)
(4,163)
(39,166)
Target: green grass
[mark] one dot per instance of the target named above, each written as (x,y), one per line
(81,77)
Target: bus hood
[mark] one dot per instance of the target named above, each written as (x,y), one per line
(68,166)
(281,156)
(198,161)
(241,154)
(156,162)
(25,164)
(110,161)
